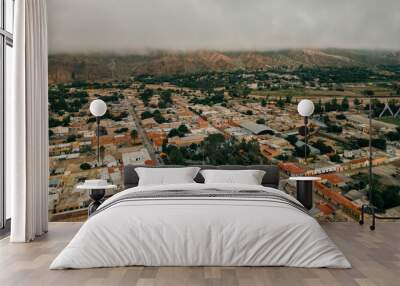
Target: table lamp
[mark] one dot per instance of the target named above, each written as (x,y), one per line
(305,108)
(98,108)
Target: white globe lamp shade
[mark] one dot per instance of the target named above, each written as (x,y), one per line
(98,107)
(305,107)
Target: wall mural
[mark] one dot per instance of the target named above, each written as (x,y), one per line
(184,89)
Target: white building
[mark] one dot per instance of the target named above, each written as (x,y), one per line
(136,157)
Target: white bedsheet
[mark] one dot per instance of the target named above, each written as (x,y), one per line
(214,231)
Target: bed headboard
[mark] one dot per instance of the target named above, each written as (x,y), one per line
(270,179)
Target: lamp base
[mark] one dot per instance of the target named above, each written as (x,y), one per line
(97,196)
(305,193)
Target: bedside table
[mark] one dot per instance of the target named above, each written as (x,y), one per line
(305,190)
(97,190)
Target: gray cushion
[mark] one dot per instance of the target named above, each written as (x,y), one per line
(270,179)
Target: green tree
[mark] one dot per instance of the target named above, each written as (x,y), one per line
(146,114)
(301,151)
(263,103)
(165,96)
(292,139)
(146,95)
(368,92)
(335,158)
(85,149)
(319,109)
(66,121)
(391,196)
(377,200)
(341,116)
(344,106)
(357,102)
(53,122)
(175,157)
(379,143)
(174,132)
(280,103)
(334,128)
(260,121)
(183,129)
(134,135)
(322,147)
(162,104)
(158,116)
(393,136)
(121,130)
(85,166)
(71,138)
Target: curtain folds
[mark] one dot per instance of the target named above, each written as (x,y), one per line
(27,124)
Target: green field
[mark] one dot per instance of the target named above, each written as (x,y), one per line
(392,120)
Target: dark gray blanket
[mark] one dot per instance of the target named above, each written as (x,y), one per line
(203,194)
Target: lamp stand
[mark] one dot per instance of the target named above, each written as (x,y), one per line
(370,208)
(305,138)
(98,139)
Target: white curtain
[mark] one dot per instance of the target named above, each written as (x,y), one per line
(27,124)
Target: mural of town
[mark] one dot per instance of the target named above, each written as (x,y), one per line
(229,108)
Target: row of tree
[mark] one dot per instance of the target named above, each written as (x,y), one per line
(215,150)
(156,114)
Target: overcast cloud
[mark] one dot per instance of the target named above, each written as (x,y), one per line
(134,25)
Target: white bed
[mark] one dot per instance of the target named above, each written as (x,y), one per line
(202,231)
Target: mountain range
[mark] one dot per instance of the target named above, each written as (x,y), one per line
(100,67)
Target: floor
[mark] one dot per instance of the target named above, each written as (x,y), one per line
(375,257)
(4,232)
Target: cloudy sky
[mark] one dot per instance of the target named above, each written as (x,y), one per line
(138,25)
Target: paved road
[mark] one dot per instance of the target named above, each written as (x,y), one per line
(145,140)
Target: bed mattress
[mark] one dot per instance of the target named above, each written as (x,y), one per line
(201,225)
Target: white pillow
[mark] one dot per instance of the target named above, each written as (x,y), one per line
(166,176)
(247,177)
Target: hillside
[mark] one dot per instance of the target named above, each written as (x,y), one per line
(64,68)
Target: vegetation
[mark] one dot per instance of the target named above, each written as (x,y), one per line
(217,151)
(54,122)
(165,99)
(322,147)
(280,103)
(292,139)
(263,103)
(340,74)
(210,99)
(335,158)
(121,130)
(383,196)
(134,135)
(181,131)
(146,95)
(358,143)
(156,115)
(85,166)
(334,128)
(62,100)
(115,97)
(71,138)
(391,120)
(85,149)
(118,117)
(302,151)
(393,136)
(341,116)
